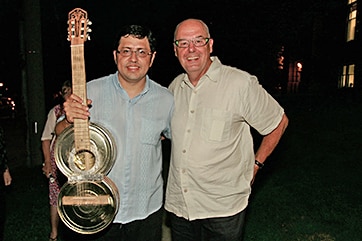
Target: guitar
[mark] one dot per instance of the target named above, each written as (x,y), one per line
(85,152)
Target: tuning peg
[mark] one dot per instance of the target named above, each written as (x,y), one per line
(89,22)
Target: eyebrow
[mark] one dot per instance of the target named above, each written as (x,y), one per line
(145,48)
(200,36)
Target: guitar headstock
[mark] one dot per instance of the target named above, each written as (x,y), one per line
(78,26)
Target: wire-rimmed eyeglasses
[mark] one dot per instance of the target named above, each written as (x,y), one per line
(126,52)
(197,42)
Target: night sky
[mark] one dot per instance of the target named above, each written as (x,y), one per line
(247,33)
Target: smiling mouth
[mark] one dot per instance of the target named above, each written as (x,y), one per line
(192,58)
(132,67)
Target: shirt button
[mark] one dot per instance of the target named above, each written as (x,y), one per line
(192,111)
(183,151)
(183,171)
(188,130)
(185,190)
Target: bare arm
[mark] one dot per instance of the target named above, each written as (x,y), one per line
(47,169)
(269,142)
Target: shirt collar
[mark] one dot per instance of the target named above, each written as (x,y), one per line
(143,92)
(212,73)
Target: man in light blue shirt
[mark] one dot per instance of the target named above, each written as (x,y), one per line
(136,111)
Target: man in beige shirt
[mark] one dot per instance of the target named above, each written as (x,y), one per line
(213,163)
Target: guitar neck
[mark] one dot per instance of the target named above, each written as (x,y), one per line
(81,127)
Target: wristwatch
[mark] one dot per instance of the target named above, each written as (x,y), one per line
(259,164)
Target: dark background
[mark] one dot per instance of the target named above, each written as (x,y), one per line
(247,34)
(303,187)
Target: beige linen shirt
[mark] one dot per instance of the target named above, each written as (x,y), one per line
(212,157)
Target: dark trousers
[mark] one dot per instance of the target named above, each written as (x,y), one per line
(210,229)
(149,229)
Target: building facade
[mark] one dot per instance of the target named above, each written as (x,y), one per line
(351,64)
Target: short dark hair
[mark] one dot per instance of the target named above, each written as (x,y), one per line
(136,31)
(67,83)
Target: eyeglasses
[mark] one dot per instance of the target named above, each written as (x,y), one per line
(126,52)
(197,42)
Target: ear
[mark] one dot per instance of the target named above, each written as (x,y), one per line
(152,58)
(115,56)
(211,43)
(175,49)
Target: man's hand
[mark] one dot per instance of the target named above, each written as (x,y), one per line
(256,168)
(7,177)
(75,108)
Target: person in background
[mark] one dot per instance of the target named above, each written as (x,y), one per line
(50,169)
(5,180)
(213,163)
(136,111)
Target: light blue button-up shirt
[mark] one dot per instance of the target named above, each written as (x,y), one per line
(136,125)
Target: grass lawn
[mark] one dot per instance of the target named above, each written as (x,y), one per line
(309,189)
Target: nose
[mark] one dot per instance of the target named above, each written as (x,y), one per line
(133,55)
(191,47)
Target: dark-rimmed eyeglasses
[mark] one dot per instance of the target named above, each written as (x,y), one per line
(197,42)
(126,52)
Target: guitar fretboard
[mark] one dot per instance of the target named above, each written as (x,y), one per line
(81,127)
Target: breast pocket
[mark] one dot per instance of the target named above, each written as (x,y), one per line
(216,125)
(151,131)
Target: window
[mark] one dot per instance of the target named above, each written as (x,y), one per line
(351,22)
(294,76)
(347,78)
